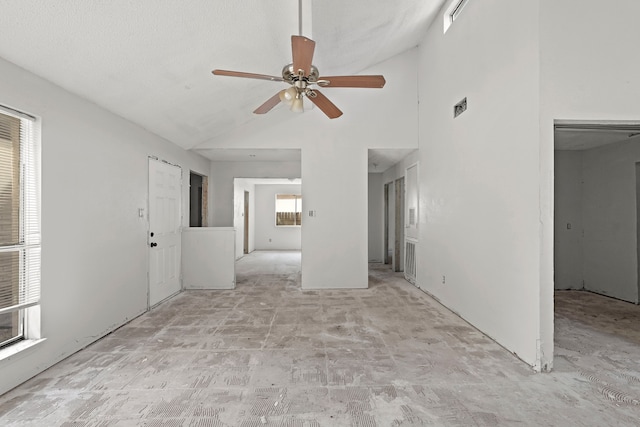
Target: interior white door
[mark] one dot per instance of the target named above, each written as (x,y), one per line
(164,230)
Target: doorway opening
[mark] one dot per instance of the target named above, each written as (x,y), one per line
(596,210)
(388,170)
(596,229)
(198,196)
(264,234)
(256,219)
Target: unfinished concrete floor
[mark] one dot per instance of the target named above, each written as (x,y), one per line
(269,354)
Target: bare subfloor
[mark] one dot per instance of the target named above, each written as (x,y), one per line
(271,354)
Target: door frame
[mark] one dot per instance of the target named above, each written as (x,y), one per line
(386,258)
(408,226)
(398,253)
(637,231)
(246,223)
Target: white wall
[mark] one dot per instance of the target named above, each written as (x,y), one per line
(479,214)
(267,235)
(610,220)
(587,72)
(376,217)
(240,186)
(334,165)
(94,245)
(609,212)
(568,256)
(489,173)
(595,191)
(221,176)
(208,258)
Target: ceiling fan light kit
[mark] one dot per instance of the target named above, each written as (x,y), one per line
(303,76)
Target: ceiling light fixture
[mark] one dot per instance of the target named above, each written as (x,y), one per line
(297,106)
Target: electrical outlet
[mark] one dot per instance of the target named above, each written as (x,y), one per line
(444,279)
(269,240)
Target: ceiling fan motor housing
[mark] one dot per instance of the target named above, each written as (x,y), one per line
(290,75)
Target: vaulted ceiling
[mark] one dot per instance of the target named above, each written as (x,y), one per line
(150,61)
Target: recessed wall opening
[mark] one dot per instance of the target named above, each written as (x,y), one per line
(596,232)
(197,200)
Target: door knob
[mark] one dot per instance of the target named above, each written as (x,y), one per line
(153,244)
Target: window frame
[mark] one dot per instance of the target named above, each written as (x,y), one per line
(457,10)
(28,244)
(453,12)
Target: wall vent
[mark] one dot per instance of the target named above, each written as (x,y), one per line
(460,108)
(410,262)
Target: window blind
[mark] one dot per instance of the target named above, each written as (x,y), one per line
(19,213)
(288,209)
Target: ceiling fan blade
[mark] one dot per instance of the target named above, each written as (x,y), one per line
(268,105)
(247,75)
(352,81)
(323,103)
(302,49)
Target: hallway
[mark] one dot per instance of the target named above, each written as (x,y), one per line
(269,353)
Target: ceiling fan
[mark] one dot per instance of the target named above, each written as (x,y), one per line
(303,77)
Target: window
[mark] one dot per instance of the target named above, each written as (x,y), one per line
(452,12)
(457,10)
(288,210)
(19,225)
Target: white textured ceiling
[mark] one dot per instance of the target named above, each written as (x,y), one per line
(252,155)
(150,61)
